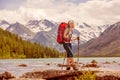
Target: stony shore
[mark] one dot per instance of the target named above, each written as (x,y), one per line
(59,75)
(103,71)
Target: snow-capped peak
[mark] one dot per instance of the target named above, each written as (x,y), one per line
(88,32)
(4,24)
(40,25)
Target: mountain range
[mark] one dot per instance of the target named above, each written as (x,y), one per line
(20,30)
(95,40)
(107,44)
(44,31)
(13,47)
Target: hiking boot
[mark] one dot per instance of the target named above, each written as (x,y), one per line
(75,67)
(68,68)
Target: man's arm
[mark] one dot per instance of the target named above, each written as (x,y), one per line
(65,33)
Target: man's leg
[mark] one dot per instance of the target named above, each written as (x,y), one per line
(72,59)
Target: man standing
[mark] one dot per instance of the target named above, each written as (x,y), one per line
(67,36)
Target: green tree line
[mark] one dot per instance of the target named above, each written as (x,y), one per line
(12,46)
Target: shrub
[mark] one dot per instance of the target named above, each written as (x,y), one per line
(89,75)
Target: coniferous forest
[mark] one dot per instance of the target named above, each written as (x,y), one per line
(12,46)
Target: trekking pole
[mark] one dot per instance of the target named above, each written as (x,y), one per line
(64,60)
(78,48)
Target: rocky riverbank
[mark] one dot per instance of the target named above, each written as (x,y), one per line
(56,71)
(60,75)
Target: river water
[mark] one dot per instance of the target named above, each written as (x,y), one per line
(11,65)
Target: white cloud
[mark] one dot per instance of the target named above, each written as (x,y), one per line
(96,12)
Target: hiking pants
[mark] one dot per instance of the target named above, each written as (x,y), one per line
(68,48)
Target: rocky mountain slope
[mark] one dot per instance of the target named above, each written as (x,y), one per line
(107,44)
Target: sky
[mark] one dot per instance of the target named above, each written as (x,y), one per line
(93,12)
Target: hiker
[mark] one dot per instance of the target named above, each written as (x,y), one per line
(67,36)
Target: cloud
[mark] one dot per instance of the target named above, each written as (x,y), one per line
(102,12)
(10,4)
(94,12)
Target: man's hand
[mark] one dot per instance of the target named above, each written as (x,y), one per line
(70,36)
(75,38)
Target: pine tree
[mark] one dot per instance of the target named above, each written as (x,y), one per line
(12,46)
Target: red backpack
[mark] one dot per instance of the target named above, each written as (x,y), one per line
(61,30)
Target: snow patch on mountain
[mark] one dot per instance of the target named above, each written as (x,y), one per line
(21,31)
(88,32)
(4,24)
(40,25)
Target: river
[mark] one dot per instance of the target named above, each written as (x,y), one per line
(11,65)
